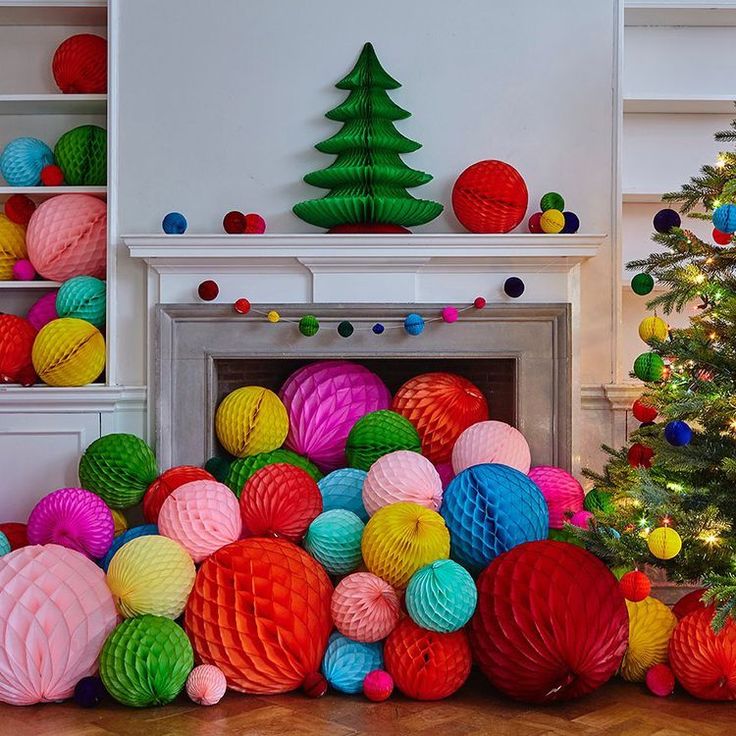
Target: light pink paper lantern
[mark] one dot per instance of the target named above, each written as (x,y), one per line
(324,400)
(491,442)
(206,685)
(43,310)
(67,236)
(74,518)
(563,494)
(202,516)
(402,476)
(55,614)
(365,607)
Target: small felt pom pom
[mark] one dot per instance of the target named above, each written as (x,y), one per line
(535,224)
(206,685)
(479,302)
(414,324)
(314,685)
(242,305)
(378,686)
(678,433)
(273,316)
(345,329)
(89,692)
(309,325)
(572,222)
(174,223)
(52,176)
(660,680)
(449,314)
(642,284)
(378,328)
(208,290)
(254,224)
(721,238)
(635,586)
(234,223)
(552,221)
(665,220)
(23,270)
(513,287)
(19,208)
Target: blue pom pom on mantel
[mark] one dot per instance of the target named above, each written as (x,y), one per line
(174,224)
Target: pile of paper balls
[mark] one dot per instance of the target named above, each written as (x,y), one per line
(354,539)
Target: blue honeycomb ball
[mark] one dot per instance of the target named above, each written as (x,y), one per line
(127,536)
(724,218)
(441,596)
(4,545)
(23,160)
(489,509)
(678,433)
(333,539)
(174,223)
(347,662)
(414,324)
(343,489)
(82,297)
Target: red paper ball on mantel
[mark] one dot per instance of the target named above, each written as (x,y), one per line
(635,586)
(234,223)
(16,533)
(80,65)
(368,228)
(640,456)
(208,290)
(479,302)
(19,208)
(535,223)
(721,238)
(490,197)
(643,412)
(242,305)
(254,224)
(52,176)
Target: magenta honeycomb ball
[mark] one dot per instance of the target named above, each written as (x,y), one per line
(563,494)
(43,310)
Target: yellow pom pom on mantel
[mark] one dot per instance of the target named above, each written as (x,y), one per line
(653,328)
(273,316)
(664,543)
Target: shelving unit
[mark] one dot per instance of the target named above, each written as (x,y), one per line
(714,105)
(53,104)
(53,13)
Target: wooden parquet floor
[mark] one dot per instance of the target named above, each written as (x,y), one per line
(618,709)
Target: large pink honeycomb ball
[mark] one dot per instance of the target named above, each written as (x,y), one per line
(202,516)
(55,613)
(563,494)
(402,476)
(491,442)
(67,236)
(365,607)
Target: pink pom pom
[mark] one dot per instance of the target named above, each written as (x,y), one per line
(378,686)
(660,680)
(43,310)
(491,442)
(23,270)
(365,607)
(563,494)
(582,519)
(449,314)
(206,685)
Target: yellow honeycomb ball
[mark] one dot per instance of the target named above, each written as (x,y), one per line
(121,523)
(250,420)
(552,221)
(68,352)
(651,625)
(273,316)
(402,537)
(12,246)
(664,543)
(653,328)
(151,574)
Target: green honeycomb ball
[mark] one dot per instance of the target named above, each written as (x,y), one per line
(242,469)
(146,661)
(81,153)
(552,201)
(596,500)
(83,297)
(378,433)
(649,367)
(118,468)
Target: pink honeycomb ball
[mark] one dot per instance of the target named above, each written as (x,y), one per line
(202,516)
(378,686)
(491,442)
(402,476)
(206,685)
(73,518)
(364,607)
(43,310)
(23,270)
(67,236)
(563,494)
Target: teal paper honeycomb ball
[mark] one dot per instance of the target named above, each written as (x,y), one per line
(343,489)
(441,596)
(4,545)
(83,297)
(146,661)
(378,433)
(242,469)
(81,154)
(347,662)
(333,539)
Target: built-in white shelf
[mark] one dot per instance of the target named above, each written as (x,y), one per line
(46,192)
(642,197)
(53,12)
(716,104)
(679,13)
(24,285)
(54,103)
(95,397)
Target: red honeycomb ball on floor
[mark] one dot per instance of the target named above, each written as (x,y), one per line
(427,665)
(254,224)
(166,484)
(208,290)
(19,208)
(52,176)
(234,223)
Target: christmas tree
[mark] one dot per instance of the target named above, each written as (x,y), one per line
(676,481)
(368,179)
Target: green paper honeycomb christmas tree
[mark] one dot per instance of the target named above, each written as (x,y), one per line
(368,179)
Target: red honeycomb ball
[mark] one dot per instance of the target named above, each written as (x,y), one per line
(427,665)
(208,290)
(704,662)
(260,611)
(19,208)
(16,345)
(315,685)
(551,622)
(166,484)
(80,65)
(280,500)
(52,176)
(535,223)
(689,603)
(376,228)
(643,412)
(16,533)
(720,237)
(640,456)
(254,224)
(635,586)
(234,223)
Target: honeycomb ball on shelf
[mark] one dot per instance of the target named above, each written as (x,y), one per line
(402,476)
(365,607)
(563,494)
(280,500)
(441,596)
(490,509)
(206,685)
(43,310)
(260,611)
(151,574)
(324,400)
(16,533)
(16,347)
(118,467)
(254,224)
(346,662)
(704,662)
(129,534)
(400,538)
(83,297)
(12,246)
(55,614)
(343,489)
(378,433)
(440,406)
(67,236)
(22,161)
(333,539)
(649,367)
(551,622)
(654,329)
(81,154)
(74,518)
(166,484)
(251,420)
(427,665)
(552,221)
(146,661)
(651,624)
(69,352)
(18,208)
(79,65)
(572,223)
(243,469)
(202,516)
(491,442)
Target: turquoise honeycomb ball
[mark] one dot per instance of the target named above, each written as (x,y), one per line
(441,596)
(4,545)
(83,297)
(347,662)
(333,539)
(343,489)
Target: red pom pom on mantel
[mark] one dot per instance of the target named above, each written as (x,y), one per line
(52,176)
(208,290)
(640,456)
(635,586)
(242,306)
(254,224)
(234,223)
(479,302)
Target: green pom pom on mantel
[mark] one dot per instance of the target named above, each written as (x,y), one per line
(378,433)
(309,325)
